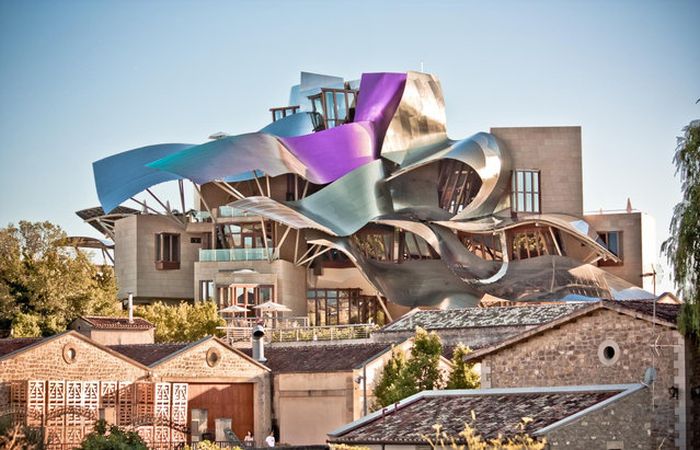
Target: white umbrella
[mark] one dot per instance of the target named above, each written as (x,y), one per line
(271,306)
(234,309)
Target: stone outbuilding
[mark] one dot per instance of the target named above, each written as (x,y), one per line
(226,388)
(577,417)
(609,343)
(108,330)
(67,381)
(319,387)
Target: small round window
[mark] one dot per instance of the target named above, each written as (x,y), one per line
(608,352)
(213,357)
(70,354)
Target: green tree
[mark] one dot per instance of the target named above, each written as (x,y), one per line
(44,286)
(682,248)
(184,322)
(402,377)
(116,439)
(388,389)
(463,375)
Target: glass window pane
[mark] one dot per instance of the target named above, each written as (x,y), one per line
(613,242)
(521,202)
(340,102)
(528,181)
(536,181)
(528,202)
(310,294)
(330,106)
(536,203)
(344,311)
(265,293)
(521,183)
(331,294)
(240,295)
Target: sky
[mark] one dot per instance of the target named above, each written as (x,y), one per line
(82,80)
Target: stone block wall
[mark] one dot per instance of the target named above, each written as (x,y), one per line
(572,355)
(46,361)
(624,424)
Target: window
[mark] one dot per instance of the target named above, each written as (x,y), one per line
(206,290)
(529,242)
(458,184)
(613,241)
(341,307)
(337,106)
(167,251)
(525,191)
(246,235)
(245,295)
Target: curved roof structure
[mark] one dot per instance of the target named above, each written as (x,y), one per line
(389,164)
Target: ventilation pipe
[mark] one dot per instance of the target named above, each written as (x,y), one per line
(258,344)
(131,307)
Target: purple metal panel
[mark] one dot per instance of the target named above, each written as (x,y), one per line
(380,95)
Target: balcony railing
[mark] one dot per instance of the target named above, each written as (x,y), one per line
(235,254)
(230,211)
(303,334)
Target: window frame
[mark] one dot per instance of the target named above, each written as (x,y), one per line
(604,237)
(533,193)
(174,249)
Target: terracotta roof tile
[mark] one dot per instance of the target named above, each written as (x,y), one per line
(319,357)
(117,323)
(13,344)
(149,354)
(495,414)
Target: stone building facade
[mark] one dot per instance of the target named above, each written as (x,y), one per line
(604,343)
(65,382)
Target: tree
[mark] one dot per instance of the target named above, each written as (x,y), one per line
(184,322)
(44,286)
(463,375)
(116,439)
(682,248)
(387,389)
(402,377)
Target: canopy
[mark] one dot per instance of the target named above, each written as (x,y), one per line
(272,307)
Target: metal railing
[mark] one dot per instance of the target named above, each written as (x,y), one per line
(303,333)
(236,254)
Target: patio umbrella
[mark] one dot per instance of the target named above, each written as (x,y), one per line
(270,306)
(234,309)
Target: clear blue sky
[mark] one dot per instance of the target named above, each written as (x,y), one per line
(81,80)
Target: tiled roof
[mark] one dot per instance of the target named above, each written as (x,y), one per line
(149,354)
(319,357)
(482,317)
(497,411)
(664,311)
(117,323)
(12,344)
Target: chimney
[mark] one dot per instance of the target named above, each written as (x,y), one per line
(259,344)
(629,206)
(131,307)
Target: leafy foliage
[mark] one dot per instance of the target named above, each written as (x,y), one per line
(19,437)
(389,387)
(402,377)
(463,375)
(184,322)
(473,441)
(44,286)
(116,439)
(682,248)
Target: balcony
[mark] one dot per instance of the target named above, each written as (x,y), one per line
(236,254)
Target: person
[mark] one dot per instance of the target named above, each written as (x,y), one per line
(249,440)
(270,439)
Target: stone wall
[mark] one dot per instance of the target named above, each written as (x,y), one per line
(556,153)
(196,365)
(624,424)
(572,354)
(46,362)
